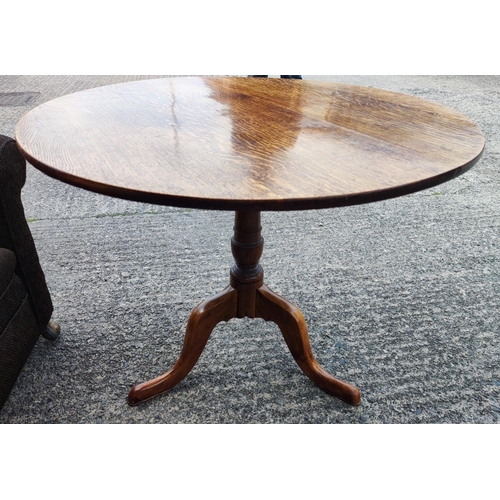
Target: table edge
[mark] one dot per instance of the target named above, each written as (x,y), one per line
(274,205)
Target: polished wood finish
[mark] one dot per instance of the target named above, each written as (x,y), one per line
(202,321)
(248,143)
(290,320)
(246,296)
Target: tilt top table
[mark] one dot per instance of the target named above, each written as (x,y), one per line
(247,145)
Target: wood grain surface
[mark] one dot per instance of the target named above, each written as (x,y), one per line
(248,143)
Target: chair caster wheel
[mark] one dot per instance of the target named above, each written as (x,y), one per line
(52,331)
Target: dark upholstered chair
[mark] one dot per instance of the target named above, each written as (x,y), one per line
(25,303)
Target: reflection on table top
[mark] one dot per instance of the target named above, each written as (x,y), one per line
(248,143)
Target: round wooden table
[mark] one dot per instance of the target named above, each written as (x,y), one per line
(247,145)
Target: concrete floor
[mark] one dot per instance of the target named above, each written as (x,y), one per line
(401,297)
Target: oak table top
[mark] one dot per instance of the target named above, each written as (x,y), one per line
(248,143)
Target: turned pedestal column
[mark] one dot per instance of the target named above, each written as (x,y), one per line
(246,296)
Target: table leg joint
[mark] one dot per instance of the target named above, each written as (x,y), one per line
(246,296)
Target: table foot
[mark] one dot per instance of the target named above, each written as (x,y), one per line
(272,307)
(227,305)
(246,296)
(202,321)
